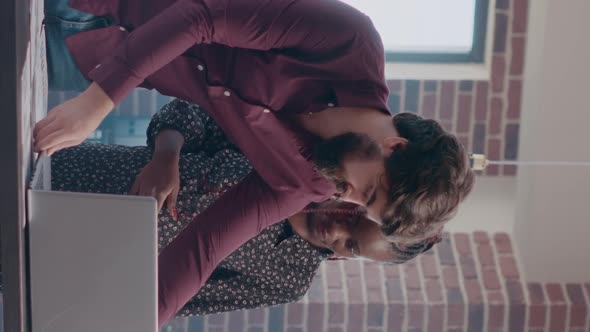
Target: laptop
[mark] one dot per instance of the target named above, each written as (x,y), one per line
(93,262)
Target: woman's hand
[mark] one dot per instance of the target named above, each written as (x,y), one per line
(160,178)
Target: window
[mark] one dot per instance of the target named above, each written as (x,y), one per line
(425,33)
(131,128)
(429,30)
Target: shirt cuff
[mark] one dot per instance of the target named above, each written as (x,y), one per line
(116,80)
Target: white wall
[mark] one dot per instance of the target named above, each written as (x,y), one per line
(552,230)
(490,207)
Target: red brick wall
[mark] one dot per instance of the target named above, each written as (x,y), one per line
(469,282)
(484,114)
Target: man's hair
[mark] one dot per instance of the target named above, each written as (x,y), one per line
(428,178)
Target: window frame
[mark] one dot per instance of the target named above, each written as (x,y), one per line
(406,70)
(476,55)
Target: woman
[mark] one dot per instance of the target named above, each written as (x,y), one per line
(278,265)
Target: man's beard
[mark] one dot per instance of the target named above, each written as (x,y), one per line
(329,155)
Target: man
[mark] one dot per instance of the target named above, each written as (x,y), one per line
(289,81)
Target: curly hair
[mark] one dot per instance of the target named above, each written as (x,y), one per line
(428,178)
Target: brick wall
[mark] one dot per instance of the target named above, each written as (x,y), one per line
(469,282)
(484,114)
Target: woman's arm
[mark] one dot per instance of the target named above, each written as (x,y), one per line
(160,178)
(179,127)
(188,121)
(168,142)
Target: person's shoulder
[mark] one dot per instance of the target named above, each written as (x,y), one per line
(350,26)
(330,15)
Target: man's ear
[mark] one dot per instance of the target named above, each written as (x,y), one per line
(391,143)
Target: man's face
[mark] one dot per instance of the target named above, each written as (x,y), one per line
(356,164)
(350,236)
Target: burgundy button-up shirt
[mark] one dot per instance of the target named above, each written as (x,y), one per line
(247,62)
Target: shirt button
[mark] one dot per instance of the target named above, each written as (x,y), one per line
(227,93)
(330,105)
(122,29)
(201,68)
(266,110)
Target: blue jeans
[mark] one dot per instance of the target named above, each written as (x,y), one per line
(62,21)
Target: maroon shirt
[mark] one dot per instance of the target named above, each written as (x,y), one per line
(247,62)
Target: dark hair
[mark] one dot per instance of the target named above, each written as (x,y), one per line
(428,178)
(406,252)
